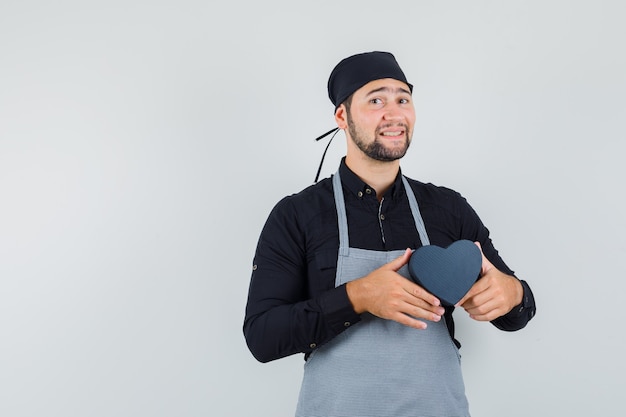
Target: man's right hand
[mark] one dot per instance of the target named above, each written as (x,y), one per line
(388,295)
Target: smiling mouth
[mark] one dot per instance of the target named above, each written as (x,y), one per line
(393,134)
(393,131)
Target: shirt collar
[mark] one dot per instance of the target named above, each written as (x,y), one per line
(359,188)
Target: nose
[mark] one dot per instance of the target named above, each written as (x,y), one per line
(393,112)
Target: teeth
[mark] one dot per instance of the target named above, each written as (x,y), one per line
(391,133)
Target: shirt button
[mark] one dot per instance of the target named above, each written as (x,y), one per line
(368,191)
(382,217)
(346,324)
(360,194)
(254,267)
(312,345)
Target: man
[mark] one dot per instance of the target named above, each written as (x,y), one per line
(330,278)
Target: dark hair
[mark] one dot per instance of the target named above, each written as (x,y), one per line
(348,103)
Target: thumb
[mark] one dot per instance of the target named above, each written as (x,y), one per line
(486,265)
(400,261)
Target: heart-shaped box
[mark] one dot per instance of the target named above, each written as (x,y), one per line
(447,273)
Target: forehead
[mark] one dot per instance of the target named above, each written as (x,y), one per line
(385,85)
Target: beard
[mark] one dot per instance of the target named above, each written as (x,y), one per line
(376,149)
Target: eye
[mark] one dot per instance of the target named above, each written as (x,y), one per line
(376,101)
(404,101)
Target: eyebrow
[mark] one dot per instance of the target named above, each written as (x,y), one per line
(388,90)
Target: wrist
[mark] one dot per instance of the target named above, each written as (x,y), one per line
(519,293)
(354,295)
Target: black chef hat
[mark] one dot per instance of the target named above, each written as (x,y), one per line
(357,70)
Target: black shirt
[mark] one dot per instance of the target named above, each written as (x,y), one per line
(293,304)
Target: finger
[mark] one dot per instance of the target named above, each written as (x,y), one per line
(400,261)
(478,287)
(464,299)
(483,317)
(426,313)
(415,316)
(421,294)
(421,308)
(485,312)
(409,321)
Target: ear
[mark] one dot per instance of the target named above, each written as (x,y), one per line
(341,117)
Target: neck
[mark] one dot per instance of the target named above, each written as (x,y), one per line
(379,175)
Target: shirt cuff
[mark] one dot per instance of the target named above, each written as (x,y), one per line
(338,310)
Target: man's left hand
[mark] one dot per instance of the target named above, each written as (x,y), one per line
(493,295)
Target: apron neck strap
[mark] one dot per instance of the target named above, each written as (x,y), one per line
(342,219)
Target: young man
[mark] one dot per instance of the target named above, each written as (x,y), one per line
(330,277)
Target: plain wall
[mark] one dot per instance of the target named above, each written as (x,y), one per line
(143,144)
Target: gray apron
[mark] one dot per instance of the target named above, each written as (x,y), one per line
(378,367)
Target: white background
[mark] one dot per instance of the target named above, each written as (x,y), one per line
(143,144)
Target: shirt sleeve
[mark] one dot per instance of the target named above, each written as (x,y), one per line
(520,315)
(282,316)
